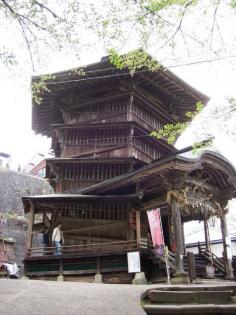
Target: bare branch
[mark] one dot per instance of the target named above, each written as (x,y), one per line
(27,43)
(42,6)
(185,43)
(213,25)
(21,23)
(179,26)
(149,11)
(20,16)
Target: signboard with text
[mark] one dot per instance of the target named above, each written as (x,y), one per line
(133,262)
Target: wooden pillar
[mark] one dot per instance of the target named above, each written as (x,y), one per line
(138,228)
(129,109)
(191,266)
(131,224)
(180,275)
(130,144)
(183,238)
(227,260)
(30,226)
(206,231)
(98,265)
(61,269)
(98,275)
(178,236)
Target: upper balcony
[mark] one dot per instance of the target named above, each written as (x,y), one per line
(107,140)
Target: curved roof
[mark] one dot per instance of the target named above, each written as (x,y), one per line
(211,168)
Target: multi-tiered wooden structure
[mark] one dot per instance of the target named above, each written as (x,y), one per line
(108,171)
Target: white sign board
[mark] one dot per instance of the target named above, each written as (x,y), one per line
(133,262)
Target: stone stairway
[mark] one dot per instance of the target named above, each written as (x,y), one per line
(216,300)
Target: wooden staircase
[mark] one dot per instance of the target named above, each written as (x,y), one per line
(210,258)
(203,259)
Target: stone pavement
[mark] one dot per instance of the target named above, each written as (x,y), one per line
(36,297)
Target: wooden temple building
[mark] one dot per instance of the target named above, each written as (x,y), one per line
(108,172)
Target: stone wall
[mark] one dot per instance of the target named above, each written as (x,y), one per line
(13,222)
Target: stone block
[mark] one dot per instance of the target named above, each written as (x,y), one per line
(98,278)
(60,278)
(139,278)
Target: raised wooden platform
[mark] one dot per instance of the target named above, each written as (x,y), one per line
(78,261)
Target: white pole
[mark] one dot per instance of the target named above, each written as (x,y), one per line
(167,265)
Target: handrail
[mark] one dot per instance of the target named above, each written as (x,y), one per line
(85,245)
(214,259)
(74,249)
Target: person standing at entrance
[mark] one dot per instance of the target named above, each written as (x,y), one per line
(57,239)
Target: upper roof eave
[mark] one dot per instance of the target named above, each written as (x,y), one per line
(65,81)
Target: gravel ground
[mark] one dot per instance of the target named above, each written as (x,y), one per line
(31,297)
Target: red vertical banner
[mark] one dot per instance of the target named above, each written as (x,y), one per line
(154,219)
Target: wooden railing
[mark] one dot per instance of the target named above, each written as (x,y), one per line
(212,258)
(123,246)
(216,261)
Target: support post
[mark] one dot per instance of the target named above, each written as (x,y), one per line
(206,232)
(30,226)
(191,266)
(227,260)
(183,239)
(60,277)
(98,276)
(139,277)
(180,275)
(129,109)
(138,229)
(131,137)
(131,225)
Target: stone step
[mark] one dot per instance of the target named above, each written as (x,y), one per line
(202,309)
(185,297)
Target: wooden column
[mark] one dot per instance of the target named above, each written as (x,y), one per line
(191,266)
(130,144)
(131,224)
(227,260)
(183,238)
(206,231)
(178,237)
(129,109)
(30,225)
(98,275)
(138,228)
(60,277)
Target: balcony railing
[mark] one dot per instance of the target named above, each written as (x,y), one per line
(70,250)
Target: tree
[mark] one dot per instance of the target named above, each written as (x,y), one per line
(40,24)
(159,26)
